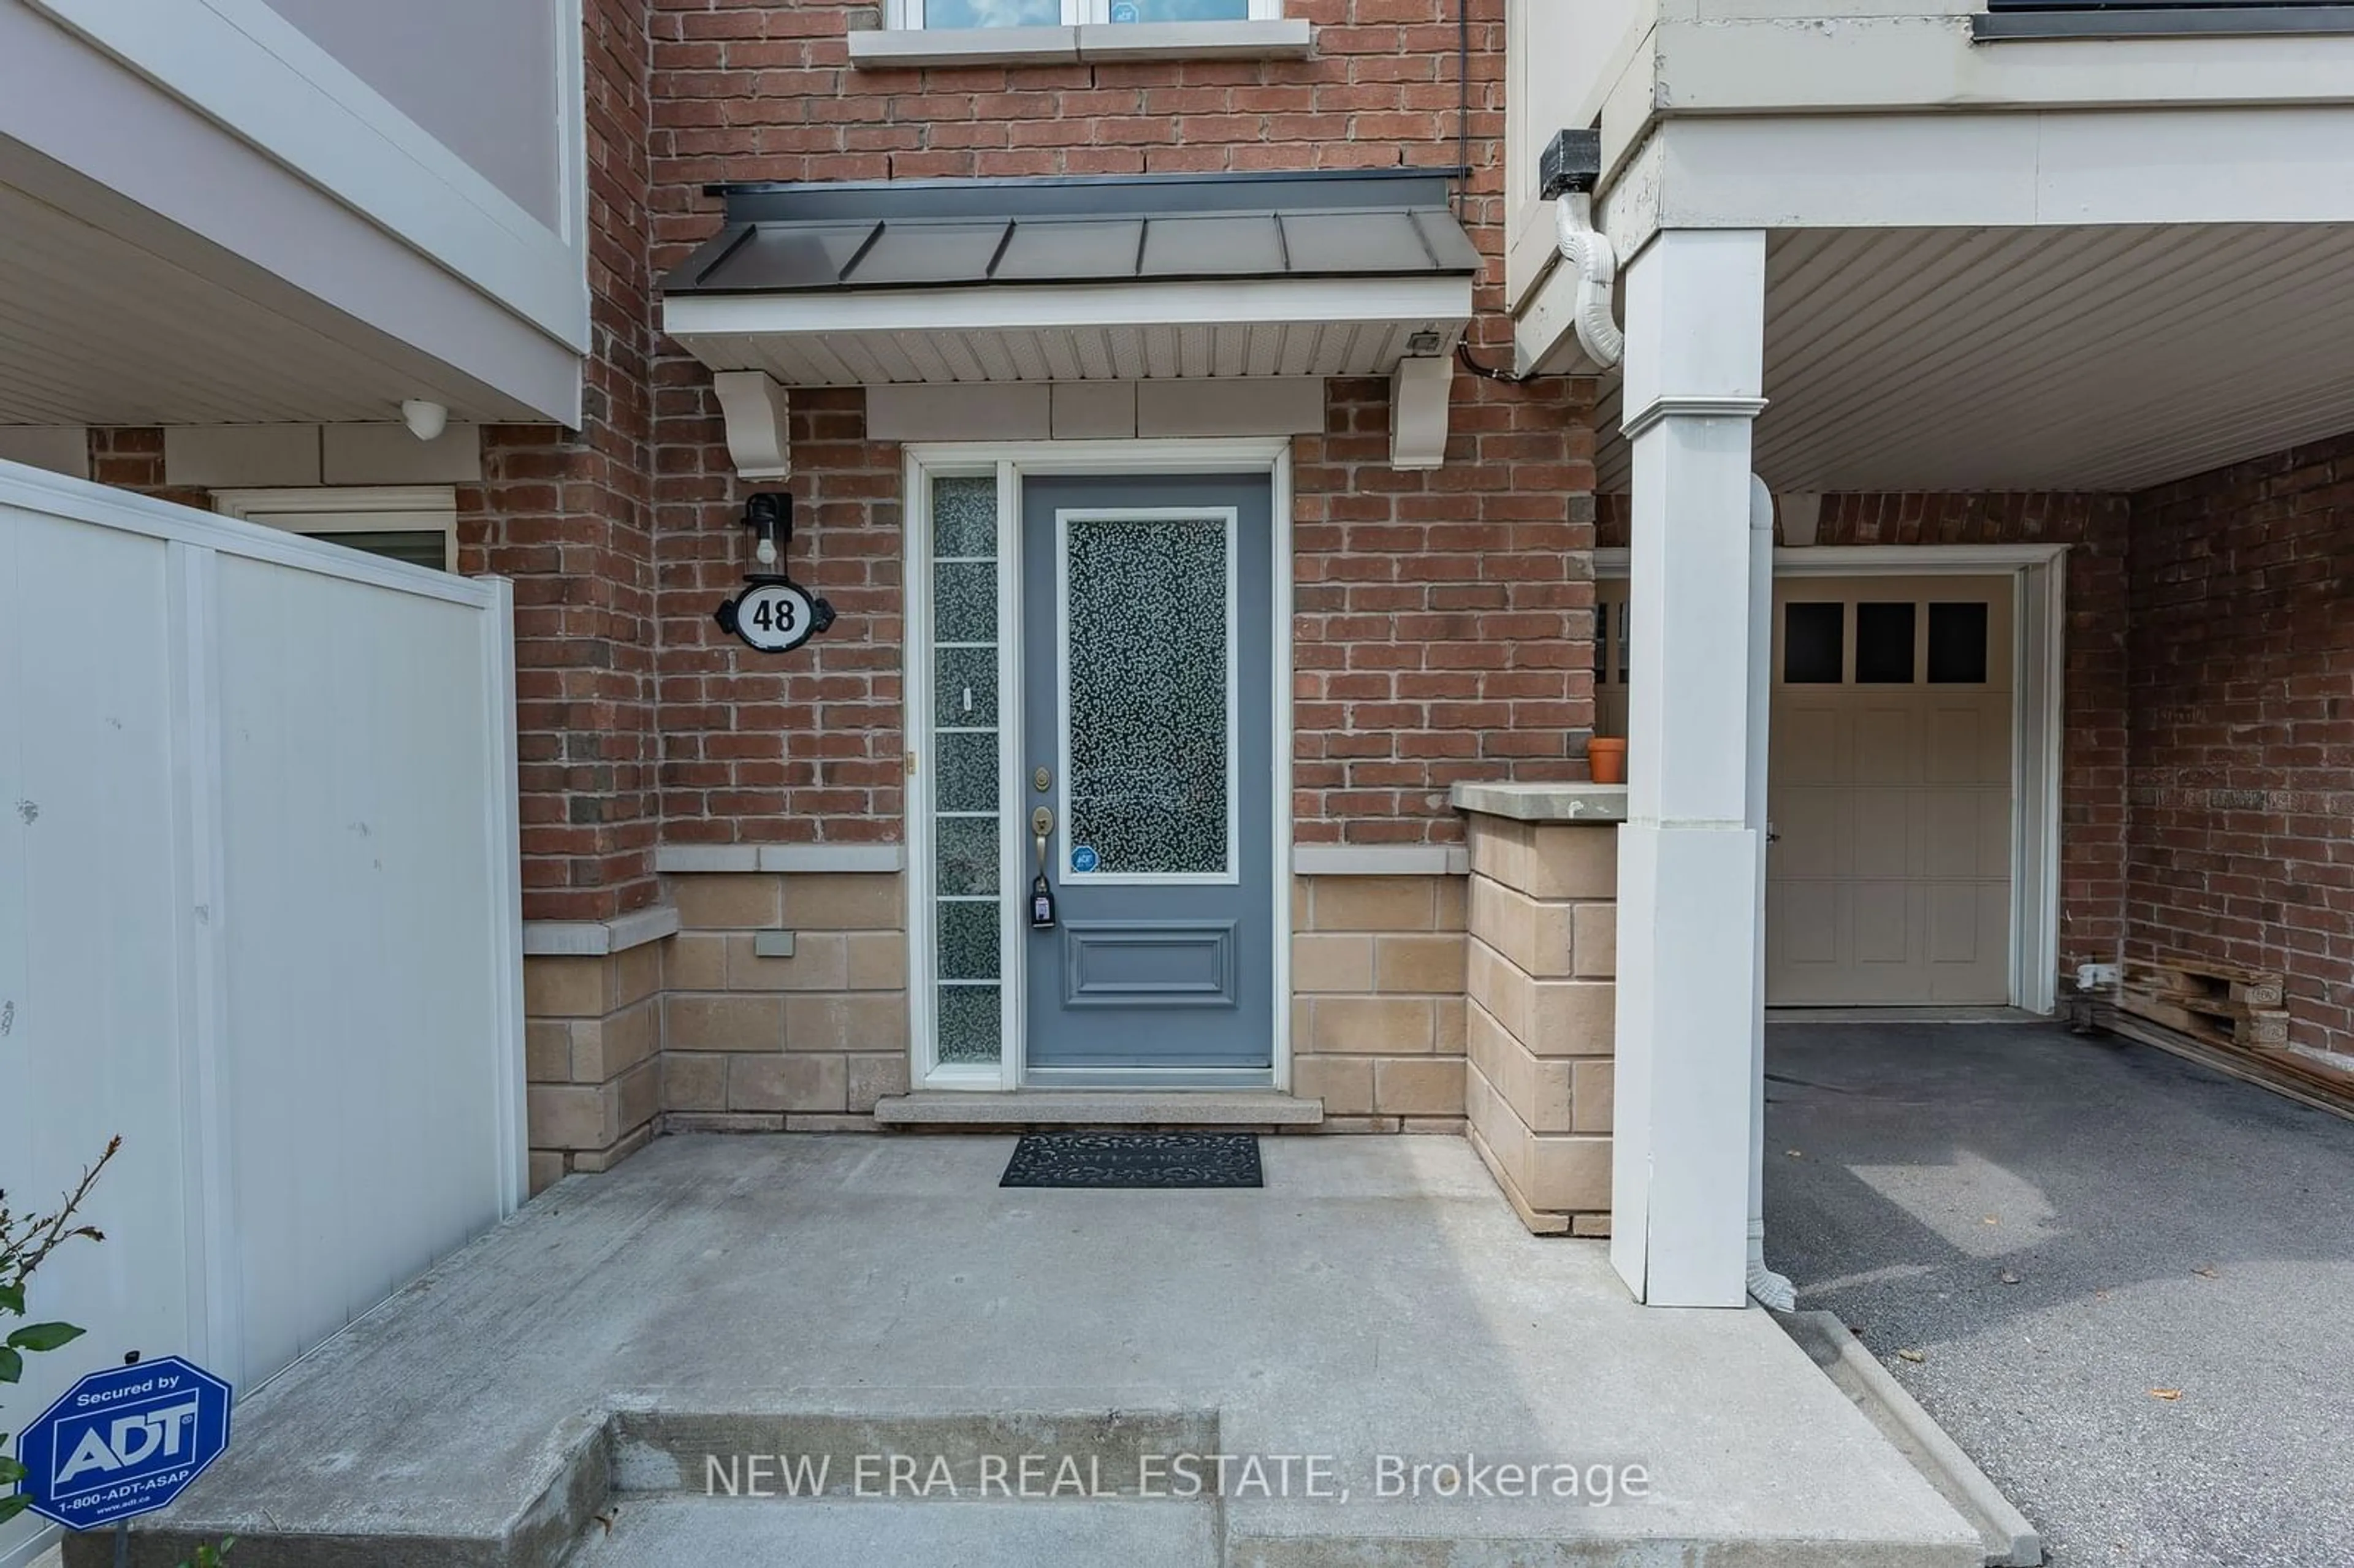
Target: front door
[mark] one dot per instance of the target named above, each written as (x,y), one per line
(1146,768)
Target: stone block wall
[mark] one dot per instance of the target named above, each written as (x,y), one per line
(1377,1000)
(1540,1015)
(768,1043)
(592,1052)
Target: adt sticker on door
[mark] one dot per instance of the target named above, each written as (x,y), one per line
(1083,860)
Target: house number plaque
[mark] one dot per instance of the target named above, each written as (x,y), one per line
(775,615)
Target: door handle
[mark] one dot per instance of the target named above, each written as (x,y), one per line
(1042,829)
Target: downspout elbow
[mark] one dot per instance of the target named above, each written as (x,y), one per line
(1587,251)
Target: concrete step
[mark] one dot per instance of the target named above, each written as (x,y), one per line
(1374,1297)
(710,1532)
(1240,1108)
(970,1454)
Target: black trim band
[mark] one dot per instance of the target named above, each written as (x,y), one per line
(2161,22)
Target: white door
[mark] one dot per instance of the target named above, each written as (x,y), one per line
(1888,878)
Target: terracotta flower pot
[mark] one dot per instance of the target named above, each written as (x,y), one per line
(1605,758)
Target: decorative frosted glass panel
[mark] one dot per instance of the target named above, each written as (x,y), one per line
(964,688)
(970,1023)
(968,772)
(969,939)
(964,602)
(1179,10)
(1147,655)
(964,517)
(992,13)
(967,913)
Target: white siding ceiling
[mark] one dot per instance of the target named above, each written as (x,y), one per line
(95,330)
(1107,353)
(2101,358)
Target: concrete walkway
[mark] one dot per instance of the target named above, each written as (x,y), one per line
(714,1299)
(2057,1226)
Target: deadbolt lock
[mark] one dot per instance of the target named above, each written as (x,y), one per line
(1040,779)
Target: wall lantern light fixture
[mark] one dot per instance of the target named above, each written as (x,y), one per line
(773,613)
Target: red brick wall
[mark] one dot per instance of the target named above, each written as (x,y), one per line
(2242,726)
(2093,826)
(755,749)
(568,515)
(1443,618)
(132,459)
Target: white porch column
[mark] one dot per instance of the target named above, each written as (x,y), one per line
(1688,891)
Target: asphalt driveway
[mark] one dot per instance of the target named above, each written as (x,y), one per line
(2129,1281)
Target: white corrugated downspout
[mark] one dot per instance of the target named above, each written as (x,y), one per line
(1770,1289)
(1588,251)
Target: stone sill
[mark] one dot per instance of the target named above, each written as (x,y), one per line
(1602,803)
(1087,1108)
(672,859)
(1380,860)
(599,939)
(892,49)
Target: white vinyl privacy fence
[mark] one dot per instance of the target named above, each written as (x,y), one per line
(259,915)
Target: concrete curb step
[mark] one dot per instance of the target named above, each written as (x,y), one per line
(2010,1541)
(718,1456)
(682,1531)
(701,1532)
(629,1487)
(638,1451)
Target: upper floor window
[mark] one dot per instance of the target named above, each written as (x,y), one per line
(1074,13)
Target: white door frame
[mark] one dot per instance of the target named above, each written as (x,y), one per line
(2039,636)
(1012,461)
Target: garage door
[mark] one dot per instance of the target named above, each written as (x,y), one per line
(1888,879)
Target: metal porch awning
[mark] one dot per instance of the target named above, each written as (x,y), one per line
(1126,278)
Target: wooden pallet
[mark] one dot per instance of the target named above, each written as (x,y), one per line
(2230,1024)
(2287,1073)
(2218,1003)
(2198,981)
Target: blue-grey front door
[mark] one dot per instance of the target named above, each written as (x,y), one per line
(1148,737)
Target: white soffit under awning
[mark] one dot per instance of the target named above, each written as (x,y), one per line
(1083,279)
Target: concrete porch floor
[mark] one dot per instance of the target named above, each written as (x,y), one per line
(814,1294)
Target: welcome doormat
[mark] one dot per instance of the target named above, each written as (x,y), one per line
(1134,1159)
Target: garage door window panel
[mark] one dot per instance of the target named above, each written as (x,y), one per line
(1884,644)
(1958,643)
